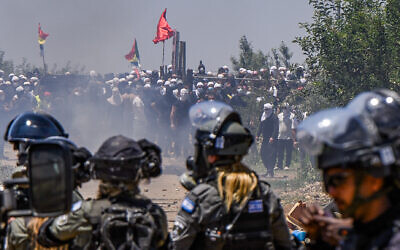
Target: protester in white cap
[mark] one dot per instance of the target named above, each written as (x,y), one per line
(199,85)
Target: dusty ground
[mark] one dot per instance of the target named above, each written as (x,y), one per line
(168,193)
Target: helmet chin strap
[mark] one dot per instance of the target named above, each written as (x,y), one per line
(358,200)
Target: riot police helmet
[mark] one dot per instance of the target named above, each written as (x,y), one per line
(32,126)
(119,158)
(364,135)
(219,132)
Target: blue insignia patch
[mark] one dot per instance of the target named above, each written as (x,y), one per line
(76,206)
(188,205)
(255,206)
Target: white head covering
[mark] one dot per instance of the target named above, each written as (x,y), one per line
(267,111)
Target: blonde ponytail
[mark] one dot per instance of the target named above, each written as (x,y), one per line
(33,231)
(235,182)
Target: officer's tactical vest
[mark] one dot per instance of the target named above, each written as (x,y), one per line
(122,226)
(250,231)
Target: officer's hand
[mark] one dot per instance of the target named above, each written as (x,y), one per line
(334,229)
(310,224)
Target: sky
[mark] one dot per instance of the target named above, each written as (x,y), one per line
(98,33)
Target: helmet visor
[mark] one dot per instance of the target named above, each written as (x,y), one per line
(204,112)
(341,128)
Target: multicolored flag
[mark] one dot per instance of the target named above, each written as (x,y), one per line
(133,55)
(42,40)
(164,31)
(42,36)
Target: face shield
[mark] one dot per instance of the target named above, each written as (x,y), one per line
(342,129)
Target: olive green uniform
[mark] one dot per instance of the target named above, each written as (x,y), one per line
(202,219)
(17,233)
(79,225)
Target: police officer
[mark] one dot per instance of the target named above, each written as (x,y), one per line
(120,218)
(21,131)
(29,126)
(229,208)
(357,149)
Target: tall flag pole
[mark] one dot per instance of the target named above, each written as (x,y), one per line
(164,32)
(42,41)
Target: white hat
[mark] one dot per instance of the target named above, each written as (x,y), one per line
(220,76)
(210,84)
(268,106)
(15,79)
(282,68)
(11,75)
(19,89)
(249,72)
(169,66)
(8,83)
(67,73)
(122,79)
(129,77)
(199,84)
(184,91)
(273,68)
(92,73)
(27,83)
(115,80)
(209,73)
(173,80)
(217,85)
(225,67)
(259,99)
(146,80)
(34,78)
(167,83)
(147,85)
(159,81)
(148,72)
(180,81)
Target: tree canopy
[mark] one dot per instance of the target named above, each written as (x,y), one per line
(352,46)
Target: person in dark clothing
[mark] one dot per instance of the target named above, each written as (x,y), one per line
(269,127)
(357,149)
(180,123)
(201,68)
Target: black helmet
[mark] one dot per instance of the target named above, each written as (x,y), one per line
(118,159)
(219,132)
(365,134)
(32,126)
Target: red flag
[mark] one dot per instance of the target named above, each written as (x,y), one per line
(42,36)
(164,31)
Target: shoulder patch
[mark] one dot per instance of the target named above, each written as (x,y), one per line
(255,206)
(76,206)
(188,205)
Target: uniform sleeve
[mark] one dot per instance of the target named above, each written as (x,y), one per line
(17,235)
(68,226)
(162,225)
(199,207)
(186,224)
(279,228)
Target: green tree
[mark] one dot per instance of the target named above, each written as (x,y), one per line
(285,54)
(6,65)
(249,59)
(352,46)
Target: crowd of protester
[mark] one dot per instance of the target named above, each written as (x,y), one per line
(155,105)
